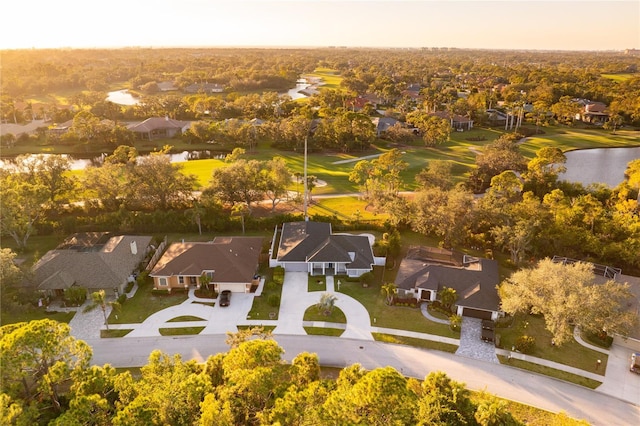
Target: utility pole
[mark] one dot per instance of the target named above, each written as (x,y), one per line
(306,218)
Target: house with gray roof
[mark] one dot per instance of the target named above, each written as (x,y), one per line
(93,260)
(230,263)
(475,281)
(159,127)
(312,247)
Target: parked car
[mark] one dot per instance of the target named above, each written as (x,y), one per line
(635,363)
(488,325)
(225,297)
(487,335)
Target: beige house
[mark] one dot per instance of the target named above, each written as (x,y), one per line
(231,263)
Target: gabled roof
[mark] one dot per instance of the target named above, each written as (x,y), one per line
(475,286)
(298,239)
(233,259)
(155,123)
(314,242)
(106,265)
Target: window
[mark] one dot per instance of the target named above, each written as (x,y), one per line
(209,274)
(181,279)
(162,282)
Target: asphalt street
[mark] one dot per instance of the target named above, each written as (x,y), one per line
(532,389)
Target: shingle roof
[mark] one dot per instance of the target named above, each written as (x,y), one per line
(476,288)
(298,239)
(313,242)
(108,267)
(155,123)
(233,259)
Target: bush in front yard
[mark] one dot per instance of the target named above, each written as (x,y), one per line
(75,295)
(278,274)
(455,322)
(525,344)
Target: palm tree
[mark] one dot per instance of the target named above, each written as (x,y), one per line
(326,303)
(448,297)
(99,299)
(390,290)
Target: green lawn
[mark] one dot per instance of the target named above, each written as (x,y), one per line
(571,353)
(184,318)
(324,331)
(144,303)
(180,331)
(26,315)
(315,283)
(313,314)
(417,343)
(400,318)
(551,372)
(261,309)
(619,78)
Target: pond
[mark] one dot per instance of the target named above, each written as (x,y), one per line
(601,165)
(83,163)
(122,97)
(295,92)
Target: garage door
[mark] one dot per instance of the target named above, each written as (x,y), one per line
(476,313)
(234,288)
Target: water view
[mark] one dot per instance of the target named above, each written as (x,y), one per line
(122,97)
(602,165)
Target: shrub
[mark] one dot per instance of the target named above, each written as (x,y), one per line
(367,278)
(455,322)
(273,300)
(525,344)
(122,298)
(271,286)
(278,274)
(405,301)
(75,295)
(599,339)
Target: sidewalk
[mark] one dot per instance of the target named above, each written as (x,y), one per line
(295,300)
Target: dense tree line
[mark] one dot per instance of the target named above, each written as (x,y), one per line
(545,80)
(47,379)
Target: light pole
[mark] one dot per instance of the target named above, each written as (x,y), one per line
(306,218)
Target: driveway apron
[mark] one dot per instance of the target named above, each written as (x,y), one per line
(471,345)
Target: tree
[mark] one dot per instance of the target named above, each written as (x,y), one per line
(195,213)
(379,397)
(442,401)
(543,170)
(499,156)
(23,204)
(448,297)
(437,173)
(38,359)
(156,183)
(389,290)
(434,130)
(326,303)
(99,300)
(50,171)
(447,214)
(275,180)
(567,295)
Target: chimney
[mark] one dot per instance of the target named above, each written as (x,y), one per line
(134,247)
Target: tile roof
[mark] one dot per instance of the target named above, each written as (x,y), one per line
(233,259)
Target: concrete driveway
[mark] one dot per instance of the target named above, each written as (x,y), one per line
(296,299)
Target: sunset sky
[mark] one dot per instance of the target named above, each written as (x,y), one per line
(506,24)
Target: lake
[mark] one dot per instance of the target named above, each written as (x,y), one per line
(122,97)
(601,165)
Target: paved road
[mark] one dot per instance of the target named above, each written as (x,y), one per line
(532,389)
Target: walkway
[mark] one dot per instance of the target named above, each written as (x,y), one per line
(295,300)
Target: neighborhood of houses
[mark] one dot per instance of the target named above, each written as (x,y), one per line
(101,261)
(591,112)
